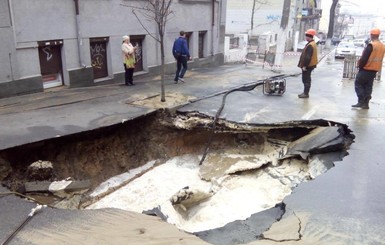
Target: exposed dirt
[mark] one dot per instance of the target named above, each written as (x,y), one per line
(100,154)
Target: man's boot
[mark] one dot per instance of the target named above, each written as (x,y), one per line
(365,104)
(305,93)
(359,104)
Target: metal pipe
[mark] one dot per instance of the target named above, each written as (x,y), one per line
(212,26)
(78,34)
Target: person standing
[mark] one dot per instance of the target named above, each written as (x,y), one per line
(368,66)
(308,61)
(128,54)
(181,55)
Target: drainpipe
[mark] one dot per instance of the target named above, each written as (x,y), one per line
(78,34)
(212,26)
(14,37)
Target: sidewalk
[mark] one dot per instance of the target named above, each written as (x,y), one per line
(63,111)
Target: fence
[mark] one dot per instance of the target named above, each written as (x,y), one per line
(350,68)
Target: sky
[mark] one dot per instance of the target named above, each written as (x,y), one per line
(361,6)
(351,6)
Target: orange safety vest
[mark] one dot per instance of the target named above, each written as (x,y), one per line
(375,58)
(314,57)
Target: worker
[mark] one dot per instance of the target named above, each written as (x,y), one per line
(308,61)
(368,66)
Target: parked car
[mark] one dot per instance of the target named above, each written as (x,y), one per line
(318,40)
(348,38)
(359,42)
(345,48)
(335,40)
(301,45)
(322,38)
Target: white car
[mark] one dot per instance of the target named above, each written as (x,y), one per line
(359,42)
(344,49)
(301,45)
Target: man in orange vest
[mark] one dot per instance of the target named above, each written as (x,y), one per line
(308,61)
(369,64)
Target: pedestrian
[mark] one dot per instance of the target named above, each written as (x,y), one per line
(129,61)
(308,61)
(368,66)
(181,55)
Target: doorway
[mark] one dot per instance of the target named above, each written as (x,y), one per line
(51,63)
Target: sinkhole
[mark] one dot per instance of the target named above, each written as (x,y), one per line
(153,165)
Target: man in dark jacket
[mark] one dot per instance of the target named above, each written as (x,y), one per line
(368,65)
(308,61)
(181,55)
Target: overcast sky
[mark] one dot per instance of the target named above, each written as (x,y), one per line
(360,6)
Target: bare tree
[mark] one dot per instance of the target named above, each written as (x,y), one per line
(254,9)
(157,11)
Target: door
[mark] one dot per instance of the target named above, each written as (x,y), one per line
(51,63)
(98,50)
(137,40)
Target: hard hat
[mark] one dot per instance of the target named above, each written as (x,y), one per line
(375,31)
(311,32)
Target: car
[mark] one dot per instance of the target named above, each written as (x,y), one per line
(359,42)
(318,40)
(301,45)
(344,49)
(322,38)
(335,40)
(348,38)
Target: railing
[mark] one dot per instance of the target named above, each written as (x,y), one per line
(350,68)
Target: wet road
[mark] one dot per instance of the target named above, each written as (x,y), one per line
(346,204)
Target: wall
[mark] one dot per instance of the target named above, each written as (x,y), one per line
(267,17)
(236,54)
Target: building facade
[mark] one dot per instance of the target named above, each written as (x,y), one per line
(264,24)
(77,43)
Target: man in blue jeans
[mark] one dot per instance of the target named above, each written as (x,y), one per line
(181,55)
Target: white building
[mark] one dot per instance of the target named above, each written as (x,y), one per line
(268,17)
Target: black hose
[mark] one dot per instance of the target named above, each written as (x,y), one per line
(248,87)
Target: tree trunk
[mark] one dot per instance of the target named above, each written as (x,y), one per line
(331,19)
(252,18)
(162,90)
